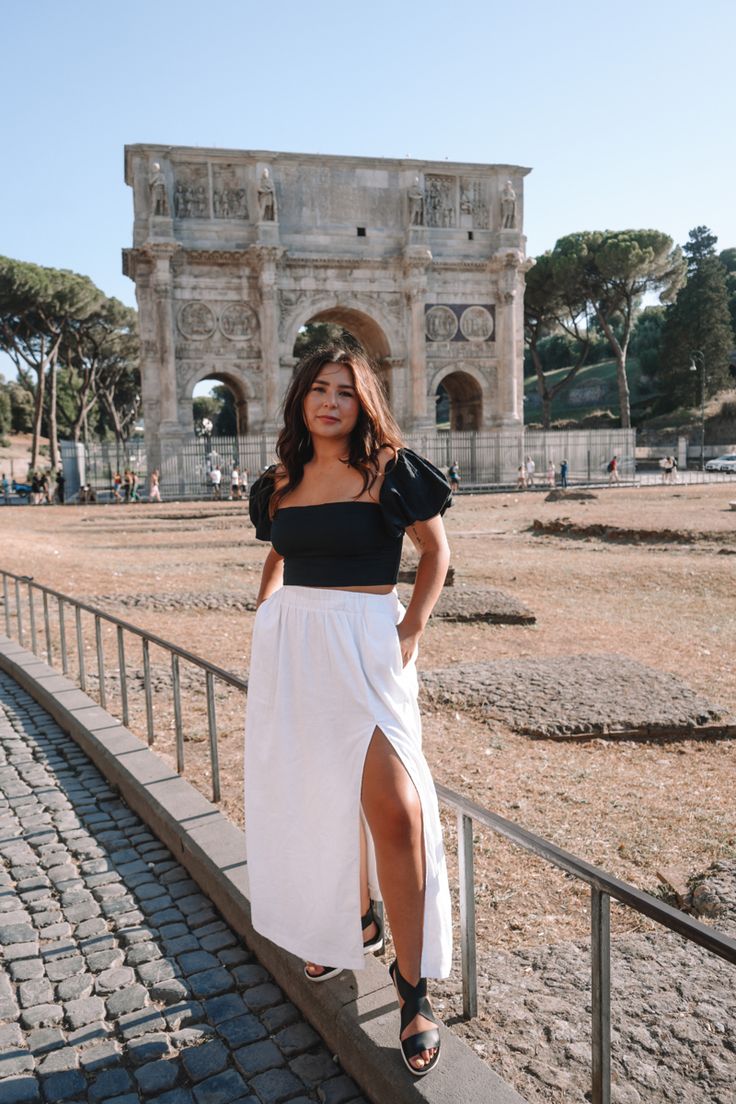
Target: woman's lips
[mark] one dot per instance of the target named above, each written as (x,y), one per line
(326,418)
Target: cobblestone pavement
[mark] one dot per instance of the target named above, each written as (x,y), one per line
(576,694)
(118,980)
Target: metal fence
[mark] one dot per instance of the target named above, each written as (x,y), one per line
(485,458)
(25,602)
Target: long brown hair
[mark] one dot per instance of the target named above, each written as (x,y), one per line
(375,428)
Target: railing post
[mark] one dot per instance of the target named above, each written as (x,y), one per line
(176,689)
(6,604)
(123,676)
(600,931)
(212,728)
(62,638)
(47,627)
(18,612)
(147,689)
(80,649)
(467,915)
(100,661)
(32,619)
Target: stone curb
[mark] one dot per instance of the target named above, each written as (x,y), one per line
(356,1013)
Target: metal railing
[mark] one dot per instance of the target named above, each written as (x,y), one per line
(603,886)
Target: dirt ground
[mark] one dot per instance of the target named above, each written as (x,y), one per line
(633,808)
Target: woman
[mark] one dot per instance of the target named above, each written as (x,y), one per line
(338,794)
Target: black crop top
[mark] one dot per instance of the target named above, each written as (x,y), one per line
(351,543)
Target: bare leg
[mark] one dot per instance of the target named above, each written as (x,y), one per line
(394,813)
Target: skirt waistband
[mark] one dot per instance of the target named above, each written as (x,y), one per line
(325,599)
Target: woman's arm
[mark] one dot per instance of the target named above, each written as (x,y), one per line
(430,541)
(272,576)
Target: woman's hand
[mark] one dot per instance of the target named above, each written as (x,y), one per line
(408,641)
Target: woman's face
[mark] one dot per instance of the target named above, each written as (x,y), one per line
(331,406)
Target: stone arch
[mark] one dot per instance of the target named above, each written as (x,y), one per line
(371,325)
(467,391)
(241,389)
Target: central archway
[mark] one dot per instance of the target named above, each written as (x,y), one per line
(365,330)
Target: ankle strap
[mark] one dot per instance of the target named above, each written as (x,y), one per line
(367,918)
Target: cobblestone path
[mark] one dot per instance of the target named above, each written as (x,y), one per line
(119,982)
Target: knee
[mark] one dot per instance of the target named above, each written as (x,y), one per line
(400,819)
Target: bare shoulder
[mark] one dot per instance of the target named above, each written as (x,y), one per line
(385,455)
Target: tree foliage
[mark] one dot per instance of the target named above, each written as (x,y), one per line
(698,328)
(614,270)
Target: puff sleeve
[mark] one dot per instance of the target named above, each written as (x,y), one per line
(260,495)
(413,490)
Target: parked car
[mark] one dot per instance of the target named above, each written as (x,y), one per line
(725,463)
(23,490)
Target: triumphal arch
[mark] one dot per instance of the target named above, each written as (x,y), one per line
(235,251)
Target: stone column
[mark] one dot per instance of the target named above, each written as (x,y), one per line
(265,259)
(170,431)
(510,370)
(415,288)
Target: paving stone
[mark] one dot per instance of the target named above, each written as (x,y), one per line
(170,991)
(196,961)
(104,960)
(30,993)
(210,983)
(109,981)
(61,968)
(10,1036)
(90,1033)
(159,970)
(99,1056)
(84,1011)
(222,1008)
(157,1077)
(297,1039)
(20,1090)
(75,987)
(148,1048)
(181,943)
(142,952)
(204,1061)
(45,1039)
(249,975)
(183,1013)
(104,941)
(194,1036)
(276,1085)
(165,916)
(43,1015)
(15,1062)
(62,1058)
(16,933)
(338,1090)
(314,1069)
(262,997)
(109,1084)
(233,956)
(242,1030)
(64,1086)
(20,950)
(258,1057)
(176,1096)
(223,1088)
(59,949)
(143,1022)
(88,928)
(26,969)
(218,940)
(138,934)
(127,1000)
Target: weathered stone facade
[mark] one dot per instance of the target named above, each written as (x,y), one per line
(234,251)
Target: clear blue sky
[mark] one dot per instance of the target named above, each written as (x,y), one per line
(624,111)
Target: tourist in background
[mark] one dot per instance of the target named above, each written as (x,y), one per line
(216,480)
(550,474)
(563,473)
(521,478)
(235,483)
(332,697)
(60,481)
(5,489)
(454,474)
(613,476)
(531,467)
(154,490)
(243,482)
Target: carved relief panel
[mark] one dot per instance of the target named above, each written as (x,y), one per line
(229,194)
(191,192)
(441,200)
(459,330)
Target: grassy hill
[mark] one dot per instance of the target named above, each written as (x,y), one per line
(593,391)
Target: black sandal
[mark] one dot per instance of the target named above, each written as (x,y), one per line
(373,945)
(416,1004)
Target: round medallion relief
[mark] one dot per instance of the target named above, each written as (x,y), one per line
(196,320)
(238,321)
(440,324)
(476,324)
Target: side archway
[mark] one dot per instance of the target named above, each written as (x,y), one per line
(465,395)
(240,390)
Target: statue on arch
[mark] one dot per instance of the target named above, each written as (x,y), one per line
(508,207)
(266,198)
(416,204)
(157,187)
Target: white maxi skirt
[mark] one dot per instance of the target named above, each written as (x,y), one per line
(326,671)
